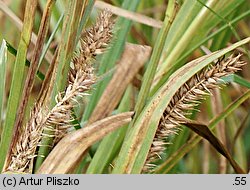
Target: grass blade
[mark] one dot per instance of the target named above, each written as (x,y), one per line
(237,79)
(13,51)
(45,49)
(129,15)
(189,36)
(179,62)
(84,17)
(43,30)
(155,58)
(3,60)
(139,138)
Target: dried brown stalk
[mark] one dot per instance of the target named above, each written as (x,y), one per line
(185,99)
(59,119)
(139,18)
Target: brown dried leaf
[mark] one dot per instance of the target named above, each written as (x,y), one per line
(77,142)
(205,132)
(129,15)
(132,60)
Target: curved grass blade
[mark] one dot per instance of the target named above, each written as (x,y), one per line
(139,138)
(194,47)
(70,150)
(155,58)
(197,30)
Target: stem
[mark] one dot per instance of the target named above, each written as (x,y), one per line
(155,58)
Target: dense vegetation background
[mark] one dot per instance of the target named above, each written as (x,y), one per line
(137,74)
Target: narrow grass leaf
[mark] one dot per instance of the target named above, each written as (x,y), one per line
(155,58)
(185,54)
(129,15)
(45,49)
(88,6)
(3,60)
(13,51)
(197,30)
(29,82)
(237,79)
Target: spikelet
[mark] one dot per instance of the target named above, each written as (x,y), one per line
(59,119)
(24,151)
(185,99)
(93,42)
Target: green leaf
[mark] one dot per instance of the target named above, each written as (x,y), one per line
(196,31)
(155,58)
(3,61)
(111,144)
(45,49)
(237,79)
(13,51)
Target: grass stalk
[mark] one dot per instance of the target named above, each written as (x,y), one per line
(155,58)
